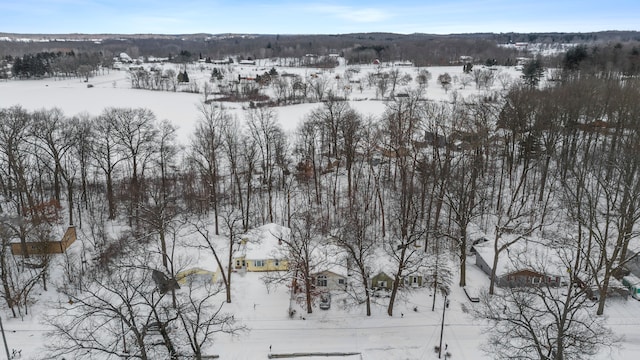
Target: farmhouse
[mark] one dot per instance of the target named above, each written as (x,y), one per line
(262,249)
(42,247)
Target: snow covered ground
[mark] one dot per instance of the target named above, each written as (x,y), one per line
(413,331)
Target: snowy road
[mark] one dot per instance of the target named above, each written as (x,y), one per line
(410,337)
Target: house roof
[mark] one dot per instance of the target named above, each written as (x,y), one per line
(263,242)
(337,273)
(200,259)
(523,255)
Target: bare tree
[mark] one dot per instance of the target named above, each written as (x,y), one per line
(270,141)
(547,321)
(445,81)
(136,133)
(355,236)
(206,150)
(122,313)
(107,153)
(465,188)
(423,78)
(318,86)
(200,320)
(217,245)
(516,218)
(15,125)
(54,135)
(301,251)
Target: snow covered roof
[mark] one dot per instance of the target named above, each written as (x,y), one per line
(263,242)
(198,258)
(523,255)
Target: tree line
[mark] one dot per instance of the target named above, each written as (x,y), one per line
(49,64)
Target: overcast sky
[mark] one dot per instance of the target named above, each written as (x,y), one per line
(316,16)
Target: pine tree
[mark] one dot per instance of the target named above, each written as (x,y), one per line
(532,72)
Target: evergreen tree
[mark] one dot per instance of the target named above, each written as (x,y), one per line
(532,72)
(574,57)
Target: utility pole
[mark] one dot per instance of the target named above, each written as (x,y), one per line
(6,347)
(444,309)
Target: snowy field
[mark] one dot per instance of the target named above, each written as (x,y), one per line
(413,331)
(113,89)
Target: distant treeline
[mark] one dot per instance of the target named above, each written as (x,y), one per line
(45,64)
(38,60)
(421,49)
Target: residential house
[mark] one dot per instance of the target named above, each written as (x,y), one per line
(414,280)
(328,280)
(201,269)
(262,249)
(40,247)
(381,281)
(525,263)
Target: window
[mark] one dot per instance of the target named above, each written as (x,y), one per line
(341,281)
(382,284)
(258,263)
(276,262)
(322,280)
(415,280)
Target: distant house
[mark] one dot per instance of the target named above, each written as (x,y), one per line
(381,281)
(261,249)
(329,281)
(46,247)
(520,265)
(247,62)
(413,280)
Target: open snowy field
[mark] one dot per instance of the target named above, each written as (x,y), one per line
(113,89)
(411,333)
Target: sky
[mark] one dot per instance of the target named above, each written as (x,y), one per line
(315,16)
